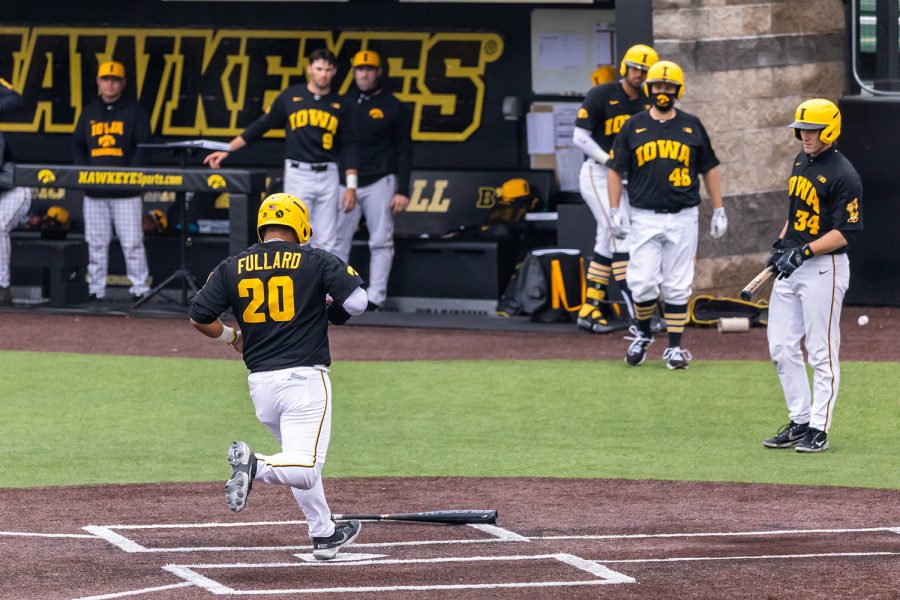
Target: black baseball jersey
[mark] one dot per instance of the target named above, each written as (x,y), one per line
(605,110)
(277,293)
(108,135)
(383,125)
(316,128)
(825,193)
(663,160)
(10,101)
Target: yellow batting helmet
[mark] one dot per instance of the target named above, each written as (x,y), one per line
(285,210)
(514,188)
(818,114)
(603,74)
(666,71)
(366,58)
(638,56)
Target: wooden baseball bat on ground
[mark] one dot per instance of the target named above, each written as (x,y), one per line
(757,282)
(450,517)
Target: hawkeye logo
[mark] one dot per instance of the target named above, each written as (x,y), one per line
(418,202)
(582,113)
(46,176)
(352,271)
(821,178)
(376,113)
(853,209)
(106,141)
(216,182)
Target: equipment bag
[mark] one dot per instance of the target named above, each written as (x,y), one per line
(707,310)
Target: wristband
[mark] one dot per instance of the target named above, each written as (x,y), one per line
(352,181)
(229,335)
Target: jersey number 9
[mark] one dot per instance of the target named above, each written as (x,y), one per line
(280,296)
(327,141)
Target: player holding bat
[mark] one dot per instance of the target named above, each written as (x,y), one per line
(813,272)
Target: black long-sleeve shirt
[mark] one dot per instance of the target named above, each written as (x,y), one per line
(108,135)
(317,129)
(383,126)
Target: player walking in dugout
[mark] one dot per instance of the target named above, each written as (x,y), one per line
(318,129)
(277,290)
(383,126)
(662,151)
(14,201)
(107,134)
(605,110)
(810,257)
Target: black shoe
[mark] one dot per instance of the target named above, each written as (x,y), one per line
(637,351)
(372,307)
(677,357)
(5,296)
(326,548)
(95,304)
(815,440)
(787,436)
(243,470)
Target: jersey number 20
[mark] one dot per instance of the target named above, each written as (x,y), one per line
(280,298)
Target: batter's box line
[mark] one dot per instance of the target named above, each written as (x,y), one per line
(604,575)
(108,533)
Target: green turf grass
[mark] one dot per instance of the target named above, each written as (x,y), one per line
(76,419)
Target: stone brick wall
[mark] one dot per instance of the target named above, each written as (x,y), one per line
(747,65)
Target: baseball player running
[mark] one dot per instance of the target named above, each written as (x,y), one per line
(14,201)
(277,290)
(318,127)
(810,256)
(662,151)
(605,110)
(383,126)
(108,132)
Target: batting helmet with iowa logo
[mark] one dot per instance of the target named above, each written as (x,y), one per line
(638,56)
(285,210)
(665,71)
(818,114)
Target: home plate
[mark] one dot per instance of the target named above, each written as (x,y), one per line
(341,557)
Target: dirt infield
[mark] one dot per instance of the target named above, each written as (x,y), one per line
(174,337)
(554,539)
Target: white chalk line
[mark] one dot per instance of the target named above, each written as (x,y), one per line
(160,588)
(49,535)
(636,536)
(756,557)
(203,525)
(605,576)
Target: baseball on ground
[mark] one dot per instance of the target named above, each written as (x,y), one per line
(862,320)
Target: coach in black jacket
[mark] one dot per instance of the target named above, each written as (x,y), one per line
(107,134)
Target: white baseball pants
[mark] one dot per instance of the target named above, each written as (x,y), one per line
(593,184)
(663,246)
(295,404)
(100,216)
(14,205)
(373,201)
(808,303)
(320,191)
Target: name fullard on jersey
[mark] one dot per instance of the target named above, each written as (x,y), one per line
(670,149)
(803,188)
(314,118)
(266,262)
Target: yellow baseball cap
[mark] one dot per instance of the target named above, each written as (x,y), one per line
(111,68)
(366,58)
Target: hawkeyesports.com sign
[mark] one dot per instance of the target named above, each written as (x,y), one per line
(205,82)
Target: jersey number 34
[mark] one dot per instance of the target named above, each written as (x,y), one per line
(279,291)
(805,221)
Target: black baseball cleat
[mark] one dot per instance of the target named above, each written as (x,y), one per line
(815,440)
(345,532)
(787,436)
(5,296)
(637,351)
(677,357)
(243,470)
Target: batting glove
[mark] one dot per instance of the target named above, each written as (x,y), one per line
(718,225)
(777,252)
(791,260)
(619,224)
